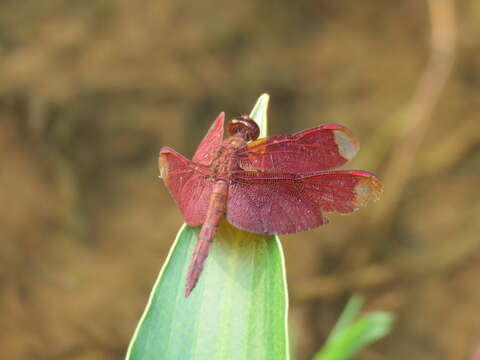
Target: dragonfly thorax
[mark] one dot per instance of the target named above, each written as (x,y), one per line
(225,160)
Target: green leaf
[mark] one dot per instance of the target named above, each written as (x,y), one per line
(348,338)
(259,114)
(238,309)
(349,314)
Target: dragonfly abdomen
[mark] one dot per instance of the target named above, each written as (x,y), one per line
(216,209)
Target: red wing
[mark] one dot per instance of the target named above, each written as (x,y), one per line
(210,143)
(188,184)
(276,203)
(324,147)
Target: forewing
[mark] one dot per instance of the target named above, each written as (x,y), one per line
(187,183)
(210,143)
(280,203)
(324,147)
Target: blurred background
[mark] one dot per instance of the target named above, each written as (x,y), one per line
(90,90)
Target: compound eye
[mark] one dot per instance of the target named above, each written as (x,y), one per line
(245,127)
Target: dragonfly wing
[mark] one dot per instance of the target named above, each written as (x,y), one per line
(187,183)
(324,147)
(210,143)
(281,203)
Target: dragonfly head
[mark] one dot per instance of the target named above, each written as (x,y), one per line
(244,127)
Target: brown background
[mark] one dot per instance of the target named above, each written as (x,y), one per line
(90,90)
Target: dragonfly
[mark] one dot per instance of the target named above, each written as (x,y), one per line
(275,185)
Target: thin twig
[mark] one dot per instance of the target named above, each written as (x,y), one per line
(421,107)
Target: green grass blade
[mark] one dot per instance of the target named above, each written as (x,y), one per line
(355,337)
(351,311)
(238,309)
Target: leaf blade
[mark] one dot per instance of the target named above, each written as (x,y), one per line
(355,337)
(351,311)
(238,309)
(259,114)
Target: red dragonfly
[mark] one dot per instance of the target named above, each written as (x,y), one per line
(276,185)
